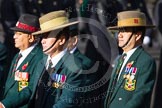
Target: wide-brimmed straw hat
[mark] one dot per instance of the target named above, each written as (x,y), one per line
(27,23)
(54,21)
(131,19)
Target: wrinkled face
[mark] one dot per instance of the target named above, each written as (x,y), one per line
(22,40)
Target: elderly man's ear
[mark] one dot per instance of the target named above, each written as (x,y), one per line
(31,38)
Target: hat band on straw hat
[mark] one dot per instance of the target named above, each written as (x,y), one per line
(26,27)
(132,22)
(54,23)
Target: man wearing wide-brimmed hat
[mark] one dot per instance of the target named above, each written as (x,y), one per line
(133,76)
(58,75)
(23,64)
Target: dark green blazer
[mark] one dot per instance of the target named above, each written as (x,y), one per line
(12,98)
(140,96)
(70,66)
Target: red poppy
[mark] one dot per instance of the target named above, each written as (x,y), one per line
(24,66)
(129,65)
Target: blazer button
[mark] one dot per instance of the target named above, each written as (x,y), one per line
(120,99)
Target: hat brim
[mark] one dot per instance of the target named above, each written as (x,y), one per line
(119,27)
(54,28)
(20,30)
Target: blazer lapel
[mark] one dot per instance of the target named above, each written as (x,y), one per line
(121,78)
(59,64)
(40,69)
(111,81)
(10,78)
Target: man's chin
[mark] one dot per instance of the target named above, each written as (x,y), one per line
(120,45)
(16,46)
(45,52)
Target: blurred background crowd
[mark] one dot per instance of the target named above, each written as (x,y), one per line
(103,11)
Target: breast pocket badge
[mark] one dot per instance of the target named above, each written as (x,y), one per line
(130,85)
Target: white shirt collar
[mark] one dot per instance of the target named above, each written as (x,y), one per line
(56,58)
(27,51)
(129,53)
(24,54)
(72,51)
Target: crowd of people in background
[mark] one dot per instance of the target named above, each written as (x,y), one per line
(94,46)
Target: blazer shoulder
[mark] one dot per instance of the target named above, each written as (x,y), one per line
(145,59)
(72,62)
(145,56)
(38,50)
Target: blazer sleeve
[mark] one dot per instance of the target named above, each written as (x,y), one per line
(17,99)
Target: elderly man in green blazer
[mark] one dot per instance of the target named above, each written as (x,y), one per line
(133,76)
(23,64)
(59,82)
